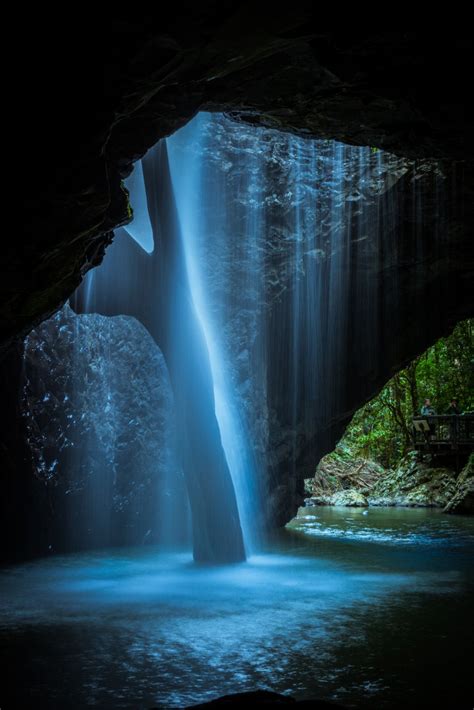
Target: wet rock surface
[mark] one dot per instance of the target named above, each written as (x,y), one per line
(417,482)
(98,413)
(462,500)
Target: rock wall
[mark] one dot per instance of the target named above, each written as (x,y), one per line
(406,285)
(463,498)
(123,85)
(418,481)
(99,419)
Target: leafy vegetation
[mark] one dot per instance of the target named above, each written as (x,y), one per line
(381,430)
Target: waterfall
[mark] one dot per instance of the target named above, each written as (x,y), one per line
(281,234)
(208,230)
(154,287)
(250,257)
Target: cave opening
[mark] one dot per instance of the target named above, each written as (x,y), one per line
(185,392)
(246,251)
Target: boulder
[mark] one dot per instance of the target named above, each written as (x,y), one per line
(415,483)
(463,498)
(351,497)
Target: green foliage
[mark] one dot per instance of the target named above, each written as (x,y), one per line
(127,197)
(381,429)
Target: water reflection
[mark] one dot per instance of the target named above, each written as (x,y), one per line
(358,621)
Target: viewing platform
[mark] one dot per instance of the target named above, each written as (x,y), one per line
(444,434)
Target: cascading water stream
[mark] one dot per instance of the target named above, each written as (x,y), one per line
(155,289)
(276,232)
(195,203)
(248,252)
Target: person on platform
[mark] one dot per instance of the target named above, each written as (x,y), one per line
(453,408)
(427,410)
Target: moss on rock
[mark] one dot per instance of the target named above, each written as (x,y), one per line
(415,483)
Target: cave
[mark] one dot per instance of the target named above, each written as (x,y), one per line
(238,229)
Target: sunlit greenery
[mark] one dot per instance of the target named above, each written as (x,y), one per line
(382,429)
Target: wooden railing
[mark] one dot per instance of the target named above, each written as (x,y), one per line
(444,432)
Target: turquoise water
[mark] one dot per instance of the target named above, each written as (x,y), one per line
(369,610)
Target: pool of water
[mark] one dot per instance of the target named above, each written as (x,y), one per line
(367,608)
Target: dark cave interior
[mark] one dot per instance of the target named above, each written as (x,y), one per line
(105,96)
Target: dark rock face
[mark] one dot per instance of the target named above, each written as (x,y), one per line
(101,431)
(419,273)
(139,81)
(463,498)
